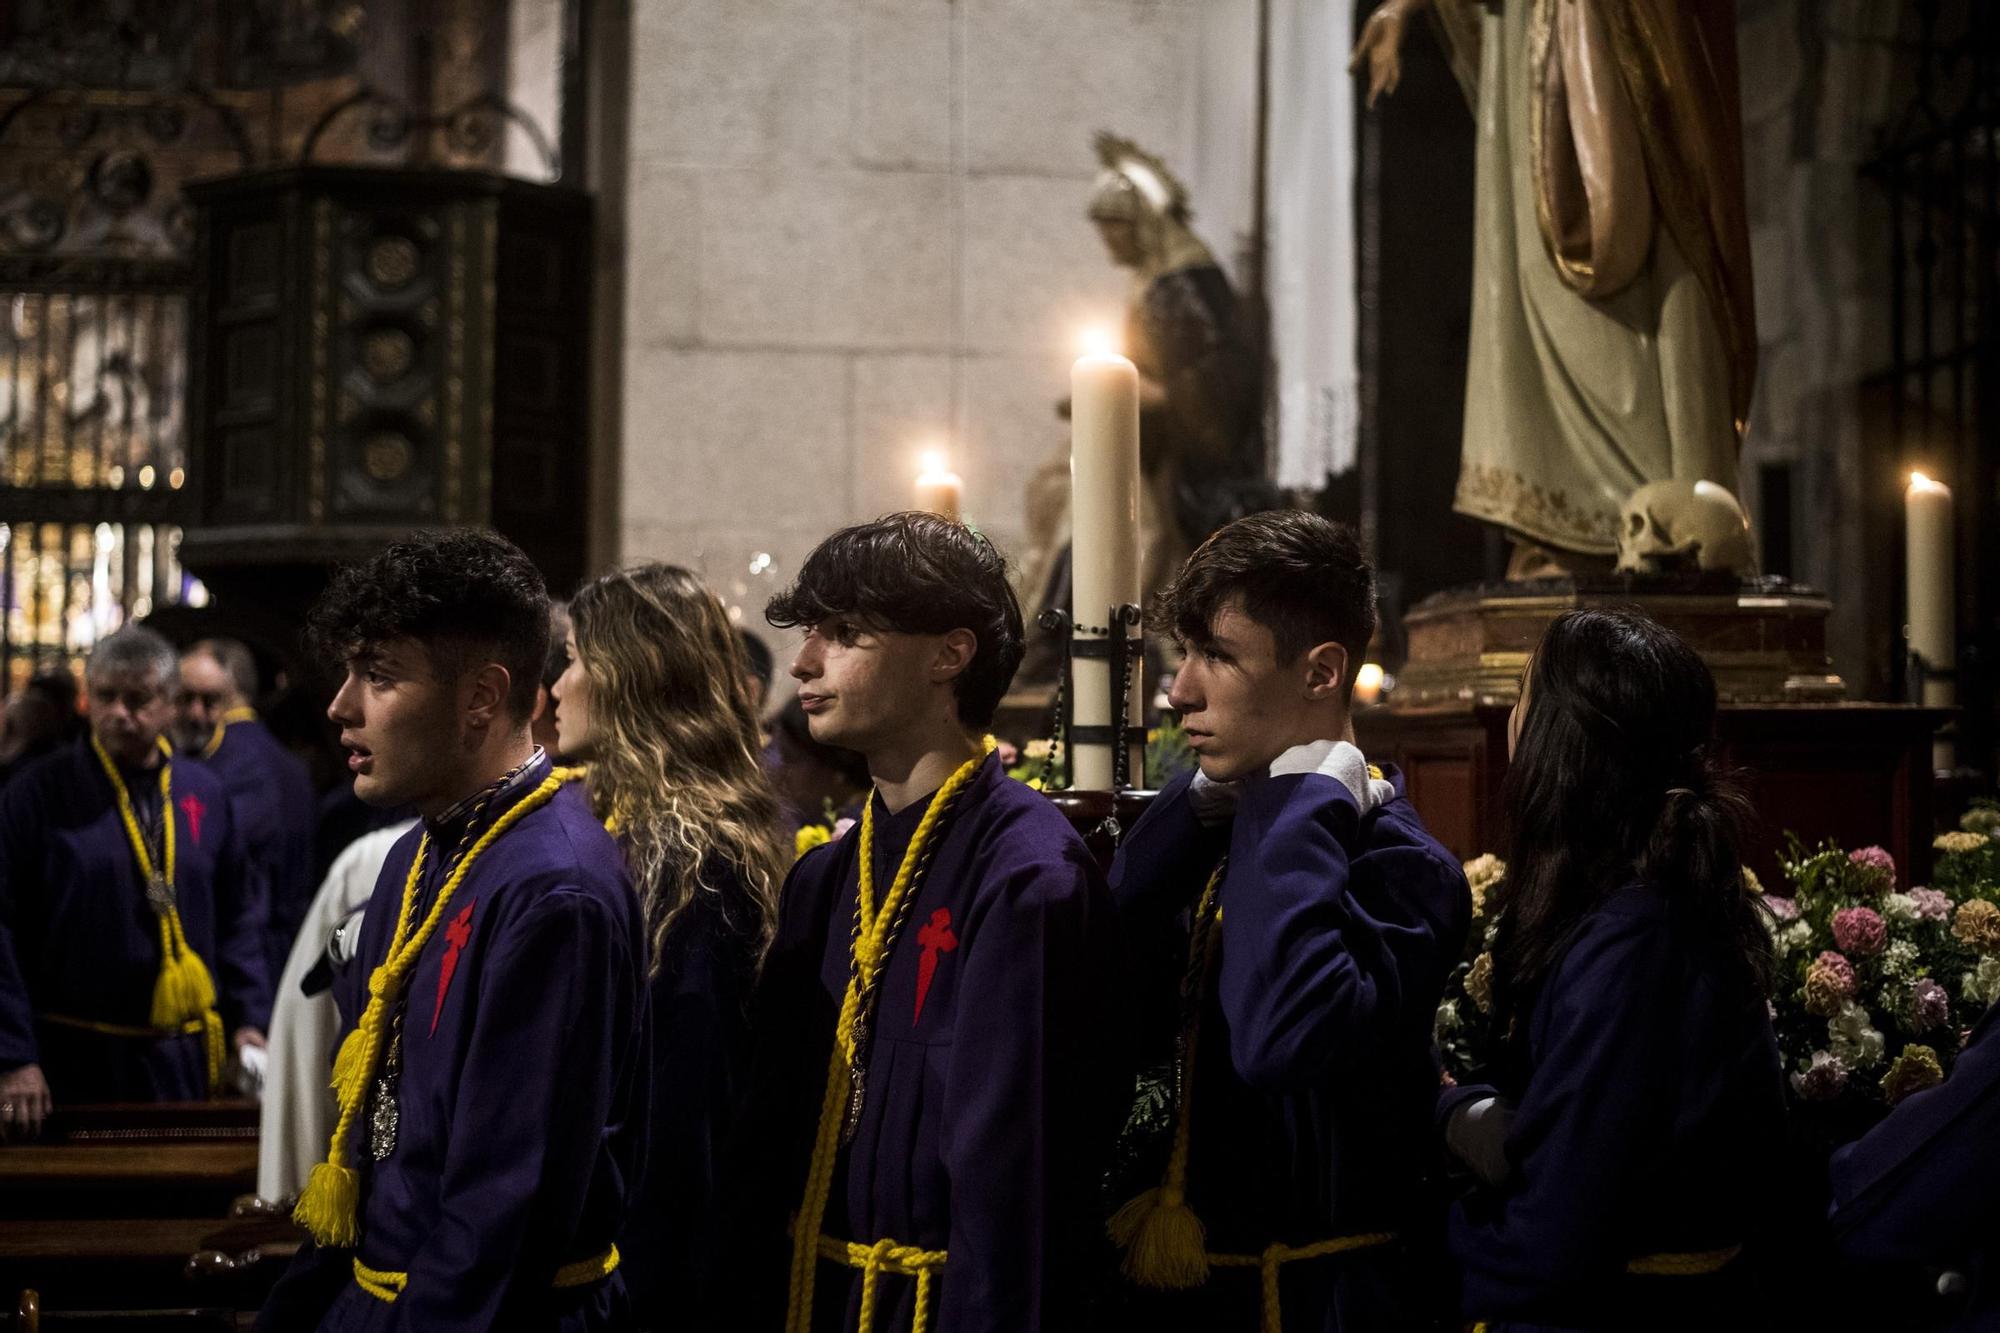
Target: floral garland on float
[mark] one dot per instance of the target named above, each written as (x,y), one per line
(1877,981)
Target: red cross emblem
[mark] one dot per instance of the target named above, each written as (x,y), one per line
(457,934)
(936,938)
(193,809)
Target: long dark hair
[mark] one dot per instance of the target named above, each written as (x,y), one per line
(1614,780)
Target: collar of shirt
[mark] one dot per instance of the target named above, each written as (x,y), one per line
(451,827)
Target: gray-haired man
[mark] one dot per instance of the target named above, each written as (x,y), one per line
(131,943)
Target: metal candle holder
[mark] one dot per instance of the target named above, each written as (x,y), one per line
(1124,646)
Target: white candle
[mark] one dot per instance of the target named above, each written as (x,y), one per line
(939,489)
(1928,588)
(1104,548)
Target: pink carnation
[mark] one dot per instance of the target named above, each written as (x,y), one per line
(1877,860)
(1786,910)
(1932,904)
(1930,1006)
(1859,931)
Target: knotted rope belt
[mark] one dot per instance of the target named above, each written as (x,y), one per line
(1694,1263)
(887,1256)
(385,1285)
(1276,1256)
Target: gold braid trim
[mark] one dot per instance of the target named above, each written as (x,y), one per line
(876,928)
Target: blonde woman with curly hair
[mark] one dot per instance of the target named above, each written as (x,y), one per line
(655,702)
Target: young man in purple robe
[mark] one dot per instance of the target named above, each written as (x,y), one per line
(1300,923)
(131,942)
(270,793)
(935,1045)
(493,1091)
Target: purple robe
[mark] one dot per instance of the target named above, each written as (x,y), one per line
(1923,1186)
(1650,1111)
(274,806)
(700,1053)
(1314,1082)
(78,938)
(990,1080)
(523,1093)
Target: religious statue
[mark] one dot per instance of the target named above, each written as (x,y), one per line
(1613,338)
(1201,437)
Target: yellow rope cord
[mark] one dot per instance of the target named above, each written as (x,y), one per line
(1695,1264)
(188,1029)
(1163,1239)
(875,929)
(386,1285)
(886,1256)
(1276,1256)
(184,991)
(329,1204)
(241,713)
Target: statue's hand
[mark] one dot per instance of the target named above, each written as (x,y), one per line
(1380,46)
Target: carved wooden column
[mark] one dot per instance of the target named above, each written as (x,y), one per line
(375,351)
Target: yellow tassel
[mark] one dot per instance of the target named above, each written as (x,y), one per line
(183,991)
(350,1065)
(330,1204)
(1165,1244)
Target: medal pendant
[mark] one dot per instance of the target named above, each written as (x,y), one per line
(857,1097)
(857,1083)
(383,1117)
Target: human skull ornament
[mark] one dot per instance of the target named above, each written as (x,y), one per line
(1668,525)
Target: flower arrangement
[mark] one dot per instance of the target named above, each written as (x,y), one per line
(1877,982)
(1041,763)
(1464,1029)
(830,825)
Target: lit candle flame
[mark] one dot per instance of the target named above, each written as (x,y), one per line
(932,461)
(1097,341)
(1921,482)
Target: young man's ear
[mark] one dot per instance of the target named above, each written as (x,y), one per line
(1326,671)
(954,655)
(486,695)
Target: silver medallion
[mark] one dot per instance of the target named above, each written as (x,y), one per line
(857,1083)
(383,1117)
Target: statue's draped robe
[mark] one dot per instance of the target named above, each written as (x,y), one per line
(1613,340)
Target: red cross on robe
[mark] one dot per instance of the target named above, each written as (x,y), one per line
(936,938)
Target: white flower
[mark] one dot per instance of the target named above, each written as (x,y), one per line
(1982,985)
(1853,1039)
(1792,938)
(1899,907)
(1901,960)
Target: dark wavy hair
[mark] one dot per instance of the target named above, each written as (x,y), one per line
(917,573)
(1299,575)
(467,596)
(1614,780)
